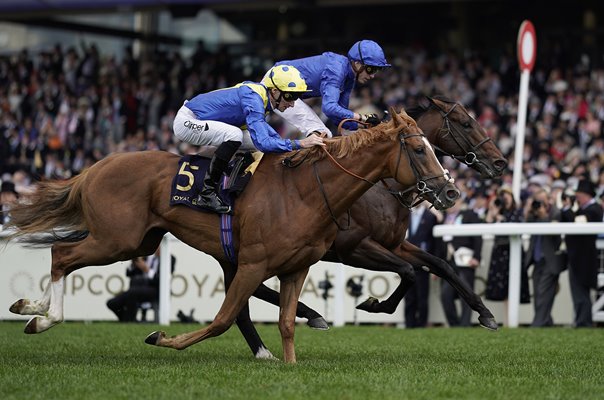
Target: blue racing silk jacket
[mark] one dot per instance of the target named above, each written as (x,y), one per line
(329,76)
(244,105)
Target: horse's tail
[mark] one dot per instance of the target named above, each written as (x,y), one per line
(52,213)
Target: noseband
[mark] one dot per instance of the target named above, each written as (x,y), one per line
(470,158)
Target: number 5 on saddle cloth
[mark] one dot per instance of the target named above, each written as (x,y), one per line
(187,184)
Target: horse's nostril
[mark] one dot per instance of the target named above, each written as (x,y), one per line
(500,164)
(453,194)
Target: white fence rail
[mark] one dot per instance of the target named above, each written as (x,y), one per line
(515,230)
(197,282)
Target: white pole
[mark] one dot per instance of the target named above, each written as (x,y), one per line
(165,277)
(514,280)
(521,127)
(339,291)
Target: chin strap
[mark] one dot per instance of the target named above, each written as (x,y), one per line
(356,71)
(277,100)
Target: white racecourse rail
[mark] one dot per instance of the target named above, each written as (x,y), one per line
(197,283)
(515,230)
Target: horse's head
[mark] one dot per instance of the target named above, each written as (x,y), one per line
(421,170)
(461,137)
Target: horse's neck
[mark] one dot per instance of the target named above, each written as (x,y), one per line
(341,188)
(431,127)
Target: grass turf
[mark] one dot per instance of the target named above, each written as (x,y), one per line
(111,361)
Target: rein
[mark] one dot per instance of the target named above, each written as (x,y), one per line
(342,122)
(422,188)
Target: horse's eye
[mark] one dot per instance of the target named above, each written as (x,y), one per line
(420,150)
(466,124)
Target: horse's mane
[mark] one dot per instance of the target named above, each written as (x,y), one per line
(419,110)
(344,146)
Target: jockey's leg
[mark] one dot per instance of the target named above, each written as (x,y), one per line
(215,133)
(208,197)
(302,116)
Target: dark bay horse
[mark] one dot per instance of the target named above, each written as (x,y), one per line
(119,209)
(375,240)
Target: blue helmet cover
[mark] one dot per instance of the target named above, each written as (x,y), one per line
(368,52)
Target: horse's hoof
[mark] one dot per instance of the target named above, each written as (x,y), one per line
(368,305)
(264,354)
(318,323)
(489,323)
(32,326)
(154,338)
(18,306)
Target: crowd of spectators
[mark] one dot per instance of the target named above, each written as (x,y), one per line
(63,109)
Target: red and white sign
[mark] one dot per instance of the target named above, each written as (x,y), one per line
(527,46)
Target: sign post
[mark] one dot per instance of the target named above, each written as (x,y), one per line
(527,51)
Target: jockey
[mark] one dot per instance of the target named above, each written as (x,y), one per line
(228,118)
(332,77)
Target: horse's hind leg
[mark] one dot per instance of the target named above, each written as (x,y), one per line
(32,307)
(66,258)
(441,268)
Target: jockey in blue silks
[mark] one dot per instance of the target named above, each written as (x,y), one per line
(235,117)
(332,77)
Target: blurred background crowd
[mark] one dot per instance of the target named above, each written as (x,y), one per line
(62,109)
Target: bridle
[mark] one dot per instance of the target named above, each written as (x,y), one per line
(421,189)
(469,158)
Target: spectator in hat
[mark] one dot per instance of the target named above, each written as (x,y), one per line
(8,196)
(582,252)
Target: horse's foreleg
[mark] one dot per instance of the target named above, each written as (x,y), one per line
(291,286)
(314,319)
(244,322)
(372,256)
(243,286)
(441,268)
(251,336)
(33,307)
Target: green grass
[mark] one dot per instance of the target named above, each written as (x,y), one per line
(111,361)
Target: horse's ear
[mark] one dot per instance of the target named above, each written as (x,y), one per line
(436,103)
(395,117)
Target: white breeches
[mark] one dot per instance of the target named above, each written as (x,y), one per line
(189,129)
(303,118)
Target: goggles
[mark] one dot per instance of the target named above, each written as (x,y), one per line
(291,96)
(370,69)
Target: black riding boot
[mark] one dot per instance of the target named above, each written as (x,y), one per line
(208,198)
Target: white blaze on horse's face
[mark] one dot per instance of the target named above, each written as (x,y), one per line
(429,147)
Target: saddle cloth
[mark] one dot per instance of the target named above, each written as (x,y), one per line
(192,168)
(187,183)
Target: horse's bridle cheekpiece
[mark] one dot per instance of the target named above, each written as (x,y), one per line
(470,157)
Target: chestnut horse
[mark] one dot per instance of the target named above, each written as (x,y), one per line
(381,246)
(119,209)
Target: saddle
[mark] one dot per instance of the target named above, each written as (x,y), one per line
(192,169)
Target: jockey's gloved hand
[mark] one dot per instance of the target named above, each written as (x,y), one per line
(371,119)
